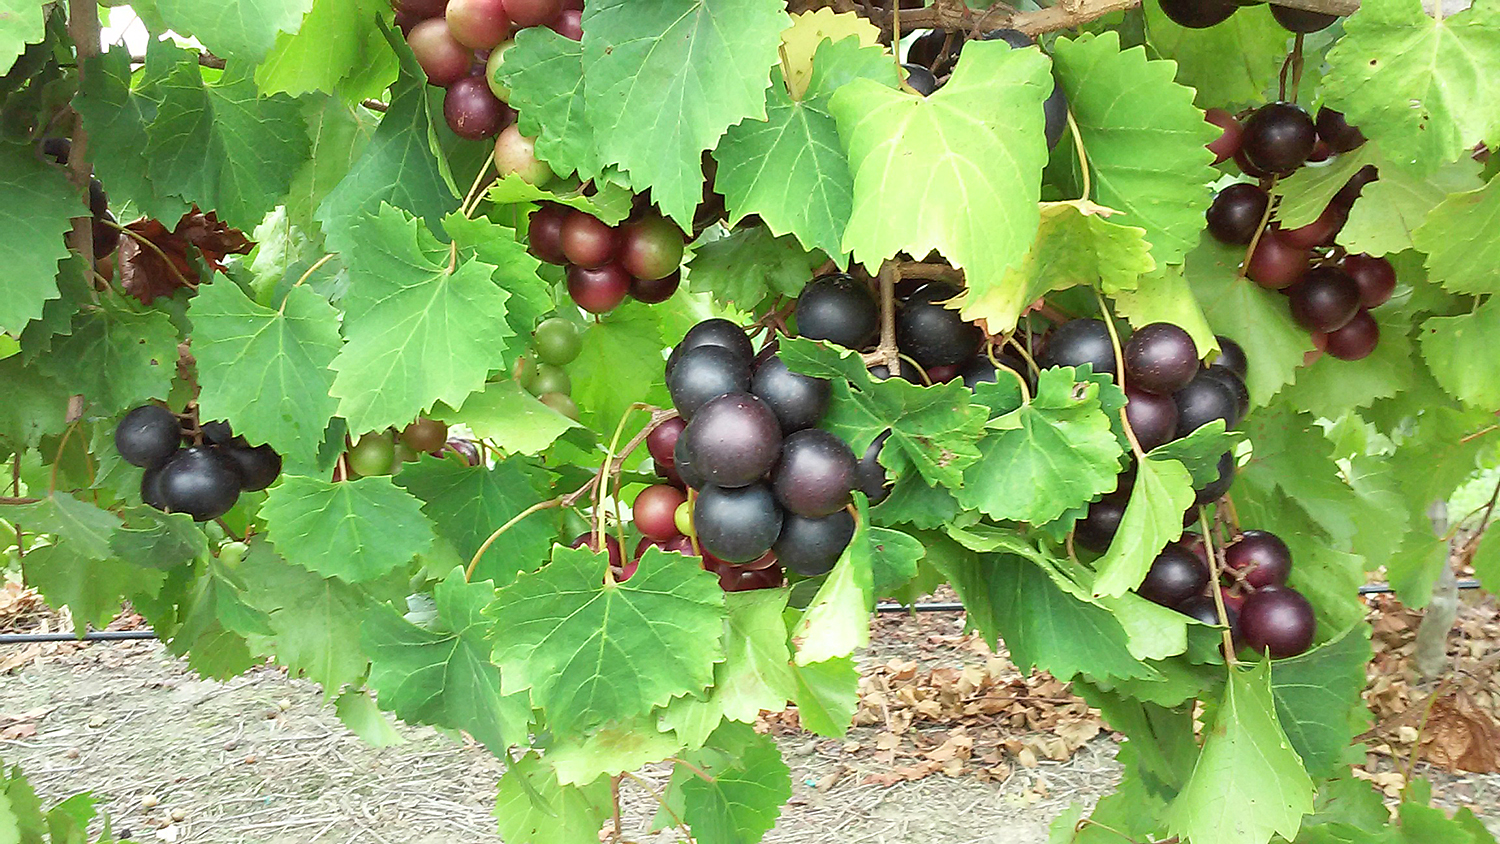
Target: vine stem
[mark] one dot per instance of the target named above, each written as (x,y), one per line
(699,772)
(1213,582)
(57,461)
(1084,823)
(471,199)
(146,242)
(1260,229)
(602,488)
(614,794)
(890,273)
(1083,156)
(83,27)
(1479,433)
(989,352)
(661,801)
(500,531)
(1114,340)
(303,280)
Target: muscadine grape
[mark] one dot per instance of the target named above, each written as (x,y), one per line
(1228,143)
(259,465)
(151,488)
(743,579)
(587,241)
(1301,20)
(1203,400)
(425,434)
(839,309)
(927,50)
(544,233)
(465,449)
(657,290)
(1202,608)
(148,435)
(663,440)
(1236,213)
(703,374)
(1215,489)
(1276,264)
(1160,358)
(568,24)
(552,379)
(1175,576)
(1197,14)
(1356,340)
(443,59)
(799,401)
(477,24)
(811,547)
(524,373)
(492,67)
(1260,557)
(677,544)
(200,481)
(421,8)
(473,111)
(682,518)
(612,545)
(871,475)
(1078,342)
(1335,131)
(934,335)
(1279,137)
(942,374)
(516,154)
(920,79)
(1152,417)
(733,439)
(980,370)
(1375,277)
(374,454)
(1277,620)
(714,332)
(217,432)
(1324,300)
(1231,357)
(655,511)
(651,248)
(1054,115)
(557,341)
(1320,231)
(600,289)
(816,473)
(1096,530)
(1236,386)
(1352,189)
(737,525)
(532,12)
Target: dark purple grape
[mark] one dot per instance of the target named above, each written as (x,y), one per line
(1324,300)
(148,435)
(1152,417)
(737,525)
(816,473)
(1335,131)
(932,334)
(928,50)
(980,370)
(1320,231)
(714,332)
(259,466)
(733,440)
(544,233)
(1375,276)
(1078,342)
(1197,14)
(1279,137)
(200,481)
(1231,357)
(871,475)
(1237,388)
(1301,20)
(1175,576)
(466,449)
(611,544)
(705,373)
(568,24)
(920,79)
(473,111)
(1096,530)
(1202,608)
(655,291)
(1352,189)
(1276,264)
(799,401)
(904,371)
(1227,144)
(684,467)
(216,432)
(1236,213)
(1054,115)
(1277,620)
(1160,358)
(1260,557)
(1215,489)
(1356,340)
(839,309)
(151,494)
(57,148)
(1203,400)
(811,547)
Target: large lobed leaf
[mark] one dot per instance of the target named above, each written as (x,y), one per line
(1228,64)
(544,72)
(36,207)
(338,49)
(314,621)
(240,29)
(1318,698)
(354,530)
(1458,237)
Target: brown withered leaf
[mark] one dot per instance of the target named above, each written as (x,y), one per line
(147,273)
(1462,737)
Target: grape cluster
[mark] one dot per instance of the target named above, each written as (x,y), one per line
(931,57)
(640,258)
(461,44)
(1264,614)
(106,232)
(1329,290)
(383,452)
(203,479)
(1201,14)
(554,344)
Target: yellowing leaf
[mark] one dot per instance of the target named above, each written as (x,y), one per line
(808,30)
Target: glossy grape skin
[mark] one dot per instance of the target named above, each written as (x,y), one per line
(799,401)
(532,12)
(568,24)
(1276,264)
(714,332)
(703,374)
(443,59)
(1203,400)
(1197,14)
(374,454)
(1320,231)
(1326,299)
(148,435)
(733,440)
(816,473)
(811,547)
(425,435)
(1152,417)
(598,290)
(1279,621)
(651,248)
(1078,342)
(515,155)
(662,440)
(587,242)
(557,341)
(1301,20)
(684,466)
(1160,358)
(1260,557)
(839,309)
(473,111)
(1231,357)
(1279,137)
(920,79)
(552,379)
(1054,115)
(465,449)
(259,466)
(151,489)
(1228,143)
(544,233)
(1096,530)
(1175,576)
(934,335)
(1335,131)
(1215,489)
(1375,277)
(1350,192)
(200,481)
(654,511)
(1236,386)
(655,291)
(477,24)
(1236,213)
(743,579)
(870,475)
(980,370)
(216,433)
(737,525)
(1356,340)
(1202,608)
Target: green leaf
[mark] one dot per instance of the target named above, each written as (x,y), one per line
(1050,456)
(153,539)
(466,504)
(1126,105)
(827,695)
(657,59)
(977,143)
(267,370)
(239,29)
(1165,296)
(443,676)
(610,750)
(211,619)
(544,72)
(222,146)
(91,588)
(22,22)
(340,135)
(338,49)
(418,331)
(1486,561)
(749,265)
(1200,450)
(592,652)
(1415,84)
(1318,698)
(893,559)
(489,243)
(1248,783)
(117,356)
(39,204)
(314,621)
(359,712)
(85,528)
(1163,492)
(743,799)
(37,404)
(533,806)
(1331,387)
(511,418)
(1459,254)
(1227,64)
(620,364)
(1306,193)
(754,676)
(1396,204)
(354,530)
(610,202)
(1463,353)
(837,622)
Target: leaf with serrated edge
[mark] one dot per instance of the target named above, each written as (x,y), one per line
(801,42)
(355,530)
(748,784)
(22,22)
(1318,698)
(1226,64)
(338,49)
(592,652)
(1392,207)
(837,622)
(646,67)
(117,355)
(38,205)
(1163,491)
(1164,296)
(239,29)
(1458,239)
(1248,782)
(90,588)
(544,72)
(827,695)
(745,267)
(1331,387)
(977,143)
(1463,354)
(511,418)
(610,203)
(1307,192)
(314,622)
(620,364)
(533,806)
(609,750)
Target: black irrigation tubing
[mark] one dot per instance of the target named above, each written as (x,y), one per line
(936,606)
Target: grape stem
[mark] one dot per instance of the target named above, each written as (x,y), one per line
(1083,156)
(1265,220)
(1085,823)
(614,794)
(471,199)
(601,489)
(535,508)
(661,801)
(303,280)
(1213,584)
(1114,340)
(890,274)
(989,352)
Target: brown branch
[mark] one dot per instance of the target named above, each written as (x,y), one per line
(83,27)
(930,272)
(1064,15)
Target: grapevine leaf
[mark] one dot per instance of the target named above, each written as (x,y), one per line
(240,29)
(1125,104)
(837,622)
(267,370)
(338,49)
(610,202)
(36,404)
(1459,254)
(802,41)
(1048,457)
(1248,783)
(592,652)
(1165,296)
(211,620)
(827,695)
(467,504)
(1396,204)
(1416,84)
(221,145)
(533,806)
(748,783)
(1200,450)
(893,559)
(443,676)
(620,364)
(354,530)
(22,22)
(609,750)
(91,588)
(39,203)
(1227,64)
(1331,387)
(748,265)
(419,332)
(1307,192)
(153,539)
(511,418)
(359,712)
(1487,561)
(116,356)
(654,61)
(544,72)
(1318,698)
(1463,354)
(977,143)
(314,621)
(530,296)
(1163,492)
(755,675)
(85,528)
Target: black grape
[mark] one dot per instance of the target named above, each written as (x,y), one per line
(1153,418)
(1197,14)
(871,475)
(259,466)
(1231,357)
(1335,131)
(920,79)
(1203,400)
(737,525)
(1236,386)
(713,332)
(816,473)
(1261,557)
(1279,137)
(1160,358)
(1325,299)
(703,374)
(799,401)
(810,547)
(684,466)
(927,49)
(733,440)
(1175,576)
(1215,489)
(200,481)
(1096,530)
(1301,20)
(1236,213)
(148,435)
(1278,620)
(932,334)
(839,309)
(1077,342)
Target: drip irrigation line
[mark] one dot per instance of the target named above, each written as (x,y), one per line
(933,606)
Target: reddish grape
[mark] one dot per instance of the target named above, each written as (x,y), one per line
(1276,264)
(532,12)
(1356,340)
(1375,276)
(1197,14)
(465,449)
(421,9)
(425,435)
(587,241)
(473,111)
(1320,231)
(741,579)
(663,439)
(1152,417)
(1234,600)
(677,544)
(1335,131)
(670,474)
(655,511)
(1260,557)
(1320,153)
(568,24)
(1355,186)
(1278,620)
(478,24)
(1236,213)
(590,540)
(1279,137)
(544,233)
(1160,358)
(1324,300)
(655,291)
(443,59)
(942,374)
(598,290)
(651,248)
(1227,144)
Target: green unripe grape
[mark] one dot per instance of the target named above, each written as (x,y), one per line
(684,518)
(374,454)
(560,403)
(551,379)
(557,341)
(524,373)
(492,71)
